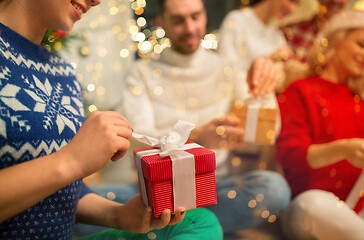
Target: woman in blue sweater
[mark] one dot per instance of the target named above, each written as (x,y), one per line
(46,146)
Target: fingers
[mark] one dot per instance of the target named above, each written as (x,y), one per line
(117,118)
(228,133)
(146,220)
(228,120)
(166,218)
(235,131)
(178,216)
(264,77)
(270,80)
(228,126)
(359,157)
(162,221)
(121,142)
(114,131)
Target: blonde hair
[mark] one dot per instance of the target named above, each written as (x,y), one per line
(323,50)
(320,54)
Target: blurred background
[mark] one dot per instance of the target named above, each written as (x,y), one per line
(106,42)
(104,45)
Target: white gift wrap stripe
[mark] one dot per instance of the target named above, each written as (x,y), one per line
(184,183)
(354,194)
(251,124)
(184,186)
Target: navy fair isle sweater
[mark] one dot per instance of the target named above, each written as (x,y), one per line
(41,109)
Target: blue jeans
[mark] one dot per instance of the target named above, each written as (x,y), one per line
(250,199)
(243,201)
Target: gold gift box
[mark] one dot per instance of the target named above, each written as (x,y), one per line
(267,117)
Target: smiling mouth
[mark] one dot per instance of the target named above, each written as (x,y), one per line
(78,7)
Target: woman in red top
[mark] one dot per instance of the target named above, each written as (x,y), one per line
(321,145)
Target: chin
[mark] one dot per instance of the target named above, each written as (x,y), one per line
(188,49)
(66,27)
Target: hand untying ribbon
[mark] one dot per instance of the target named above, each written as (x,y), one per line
(183,163)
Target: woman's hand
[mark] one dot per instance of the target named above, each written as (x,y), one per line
(354,151)
(103,136)
(134,216)
(219,133)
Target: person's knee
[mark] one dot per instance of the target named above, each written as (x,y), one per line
(313,202)
(202,216)
(198,224)
(274,188)
(304,209)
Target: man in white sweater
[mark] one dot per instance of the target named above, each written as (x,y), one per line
(190,83)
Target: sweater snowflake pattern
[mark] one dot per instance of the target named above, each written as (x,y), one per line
(41,110)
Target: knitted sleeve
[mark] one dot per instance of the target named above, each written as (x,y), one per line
(296,133)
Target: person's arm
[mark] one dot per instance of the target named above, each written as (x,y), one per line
(321,155)
(103,136)
(133,216)
(296,134)
(25,184)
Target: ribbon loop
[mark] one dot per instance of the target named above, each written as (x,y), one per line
(177,137)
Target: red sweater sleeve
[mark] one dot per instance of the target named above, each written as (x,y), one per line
(296,134)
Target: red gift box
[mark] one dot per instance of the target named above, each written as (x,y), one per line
(157,176)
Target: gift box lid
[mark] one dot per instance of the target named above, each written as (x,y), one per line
(155,168)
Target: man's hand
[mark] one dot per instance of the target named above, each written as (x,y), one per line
(263,77)
(219,133)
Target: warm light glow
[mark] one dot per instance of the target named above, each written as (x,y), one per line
(110,195)
(160,33)
(133,29)
(91,87)
(236,161)
(152,235)
(272,218)
(220,130)
(252,204)
(114,10)
(260,197)
(141,22)
(265,214)
(359,5)
(124,53)
(231,194)
(92,108)
(146,46)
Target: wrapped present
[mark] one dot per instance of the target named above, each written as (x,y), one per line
(355,199)
(174,173)
(258,120)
